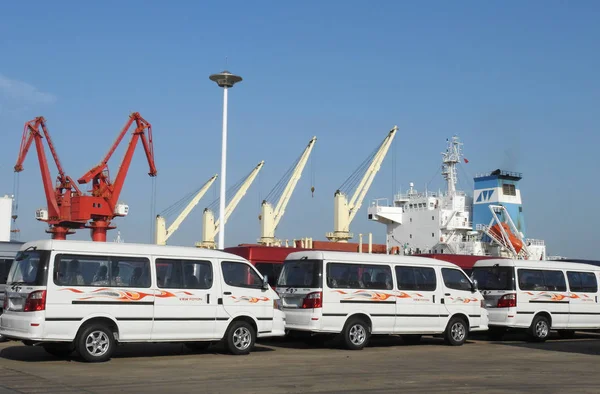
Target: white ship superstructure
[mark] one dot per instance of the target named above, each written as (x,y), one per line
(451,222)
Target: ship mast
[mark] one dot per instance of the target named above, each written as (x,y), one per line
(451,157)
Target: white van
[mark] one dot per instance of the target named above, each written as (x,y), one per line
(539,296)
(89,296)
(358,294)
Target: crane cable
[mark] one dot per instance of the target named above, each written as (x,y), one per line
(15,203)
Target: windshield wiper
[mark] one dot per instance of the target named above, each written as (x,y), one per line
(15,284)
(22,255)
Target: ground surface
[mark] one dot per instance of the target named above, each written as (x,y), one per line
(386,366)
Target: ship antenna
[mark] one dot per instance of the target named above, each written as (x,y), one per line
(450,158)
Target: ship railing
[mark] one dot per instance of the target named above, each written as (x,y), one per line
(380,202)
(535,242)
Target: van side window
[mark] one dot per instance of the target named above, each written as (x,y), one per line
(541,280)
(359,276)
(101,271)
(584,282)
(416,278)
(455,279)
(4,270)
(183,274)
(240,275)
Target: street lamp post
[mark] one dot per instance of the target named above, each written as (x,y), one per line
(225,80)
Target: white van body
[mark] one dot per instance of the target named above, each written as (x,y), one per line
(539,296)
(327,292)
(142,293)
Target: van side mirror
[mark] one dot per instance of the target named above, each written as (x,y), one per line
(474,286)
(265,283)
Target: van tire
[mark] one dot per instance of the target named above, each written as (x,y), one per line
(456,332)
(60,350)
(240,337)
(95,343)
(566,334)
(356,334)
(197,346)
(411,339)
(539,330)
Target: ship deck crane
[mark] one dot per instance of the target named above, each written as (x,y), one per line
(344,210)
(210,227)
(162,232)
(68,207)
(270,216)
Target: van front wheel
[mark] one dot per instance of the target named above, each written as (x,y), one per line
(356,334)
(240,337)
(456,332)
(96,343)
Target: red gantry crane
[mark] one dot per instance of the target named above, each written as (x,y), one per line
(68,208)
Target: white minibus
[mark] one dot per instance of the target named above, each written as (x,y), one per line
(357,295)
(89,296)
(539,296)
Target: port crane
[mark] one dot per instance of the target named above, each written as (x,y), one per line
(344,210)
(270,217)
(210,227)
(162,232)
(70,209)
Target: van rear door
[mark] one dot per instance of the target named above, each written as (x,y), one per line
(495,282)
(297,280)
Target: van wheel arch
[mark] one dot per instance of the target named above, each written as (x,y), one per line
(362,316)
(106,321)
(247,319)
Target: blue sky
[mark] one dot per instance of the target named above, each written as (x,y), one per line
(517,81)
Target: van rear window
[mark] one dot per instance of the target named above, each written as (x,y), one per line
(301,273)
(494,278)
(29,268)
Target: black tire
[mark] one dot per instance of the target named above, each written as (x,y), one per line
(95,343)
(566,334)
(60,350)
(356,334)
(240,337)
(539,330)
(197,346)
(456,332)
(411,339)
(496,333)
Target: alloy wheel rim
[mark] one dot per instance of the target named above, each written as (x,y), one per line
(242,338)
(358,334)
(541,329)
(97,343)
(458,332)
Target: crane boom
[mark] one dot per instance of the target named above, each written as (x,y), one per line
(58,197)
(210,227)
(344,211)
(270,217)
(162,233)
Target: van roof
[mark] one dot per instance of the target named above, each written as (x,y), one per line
(368,258)
(130,248)
(536,264)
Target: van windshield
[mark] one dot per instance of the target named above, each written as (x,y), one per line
(301,273)
(494,278)
(29,268)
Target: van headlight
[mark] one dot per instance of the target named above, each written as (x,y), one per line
(277,304)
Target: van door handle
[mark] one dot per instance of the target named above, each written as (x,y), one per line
(447,294)
(227,293)
(434,299)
